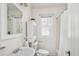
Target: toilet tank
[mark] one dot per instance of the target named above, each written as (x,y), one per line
(26,44)
(35,45)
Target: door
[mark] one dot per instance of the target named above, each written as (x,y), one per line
(48,30)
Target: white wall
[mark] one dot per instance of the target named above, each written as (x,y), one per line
(74,10)
(64,33)
(69,39)
(0,21)
(36,12)
(14,41)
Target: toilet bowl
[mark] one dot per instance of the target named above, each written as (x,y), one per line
(42,52)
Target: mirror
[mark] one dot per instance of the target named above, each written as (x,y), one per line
(14,19)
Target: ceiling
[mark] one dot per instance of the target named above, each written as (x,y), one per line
(42,5)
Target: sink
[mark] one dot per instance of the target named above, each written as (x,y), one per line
(24,51)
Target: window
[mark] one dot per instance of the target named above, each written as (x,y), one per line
(45,26)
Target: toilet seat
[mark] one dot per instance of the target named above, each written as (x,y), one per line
(43,52)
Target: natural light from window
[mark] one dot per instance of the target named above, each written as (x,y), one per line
(45,25)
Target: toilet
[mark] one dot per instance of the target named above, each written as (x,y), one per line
(39,52)
(42,52)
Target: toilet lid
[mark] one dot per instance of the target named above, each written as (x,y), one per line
(43,51)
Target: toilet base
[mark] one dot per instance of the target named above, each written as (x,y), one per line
(42,52)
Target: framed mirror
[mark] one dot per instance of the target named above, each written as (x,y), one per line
(14,19)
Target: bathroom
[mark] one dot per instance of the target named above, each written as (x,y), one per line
(38,29)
